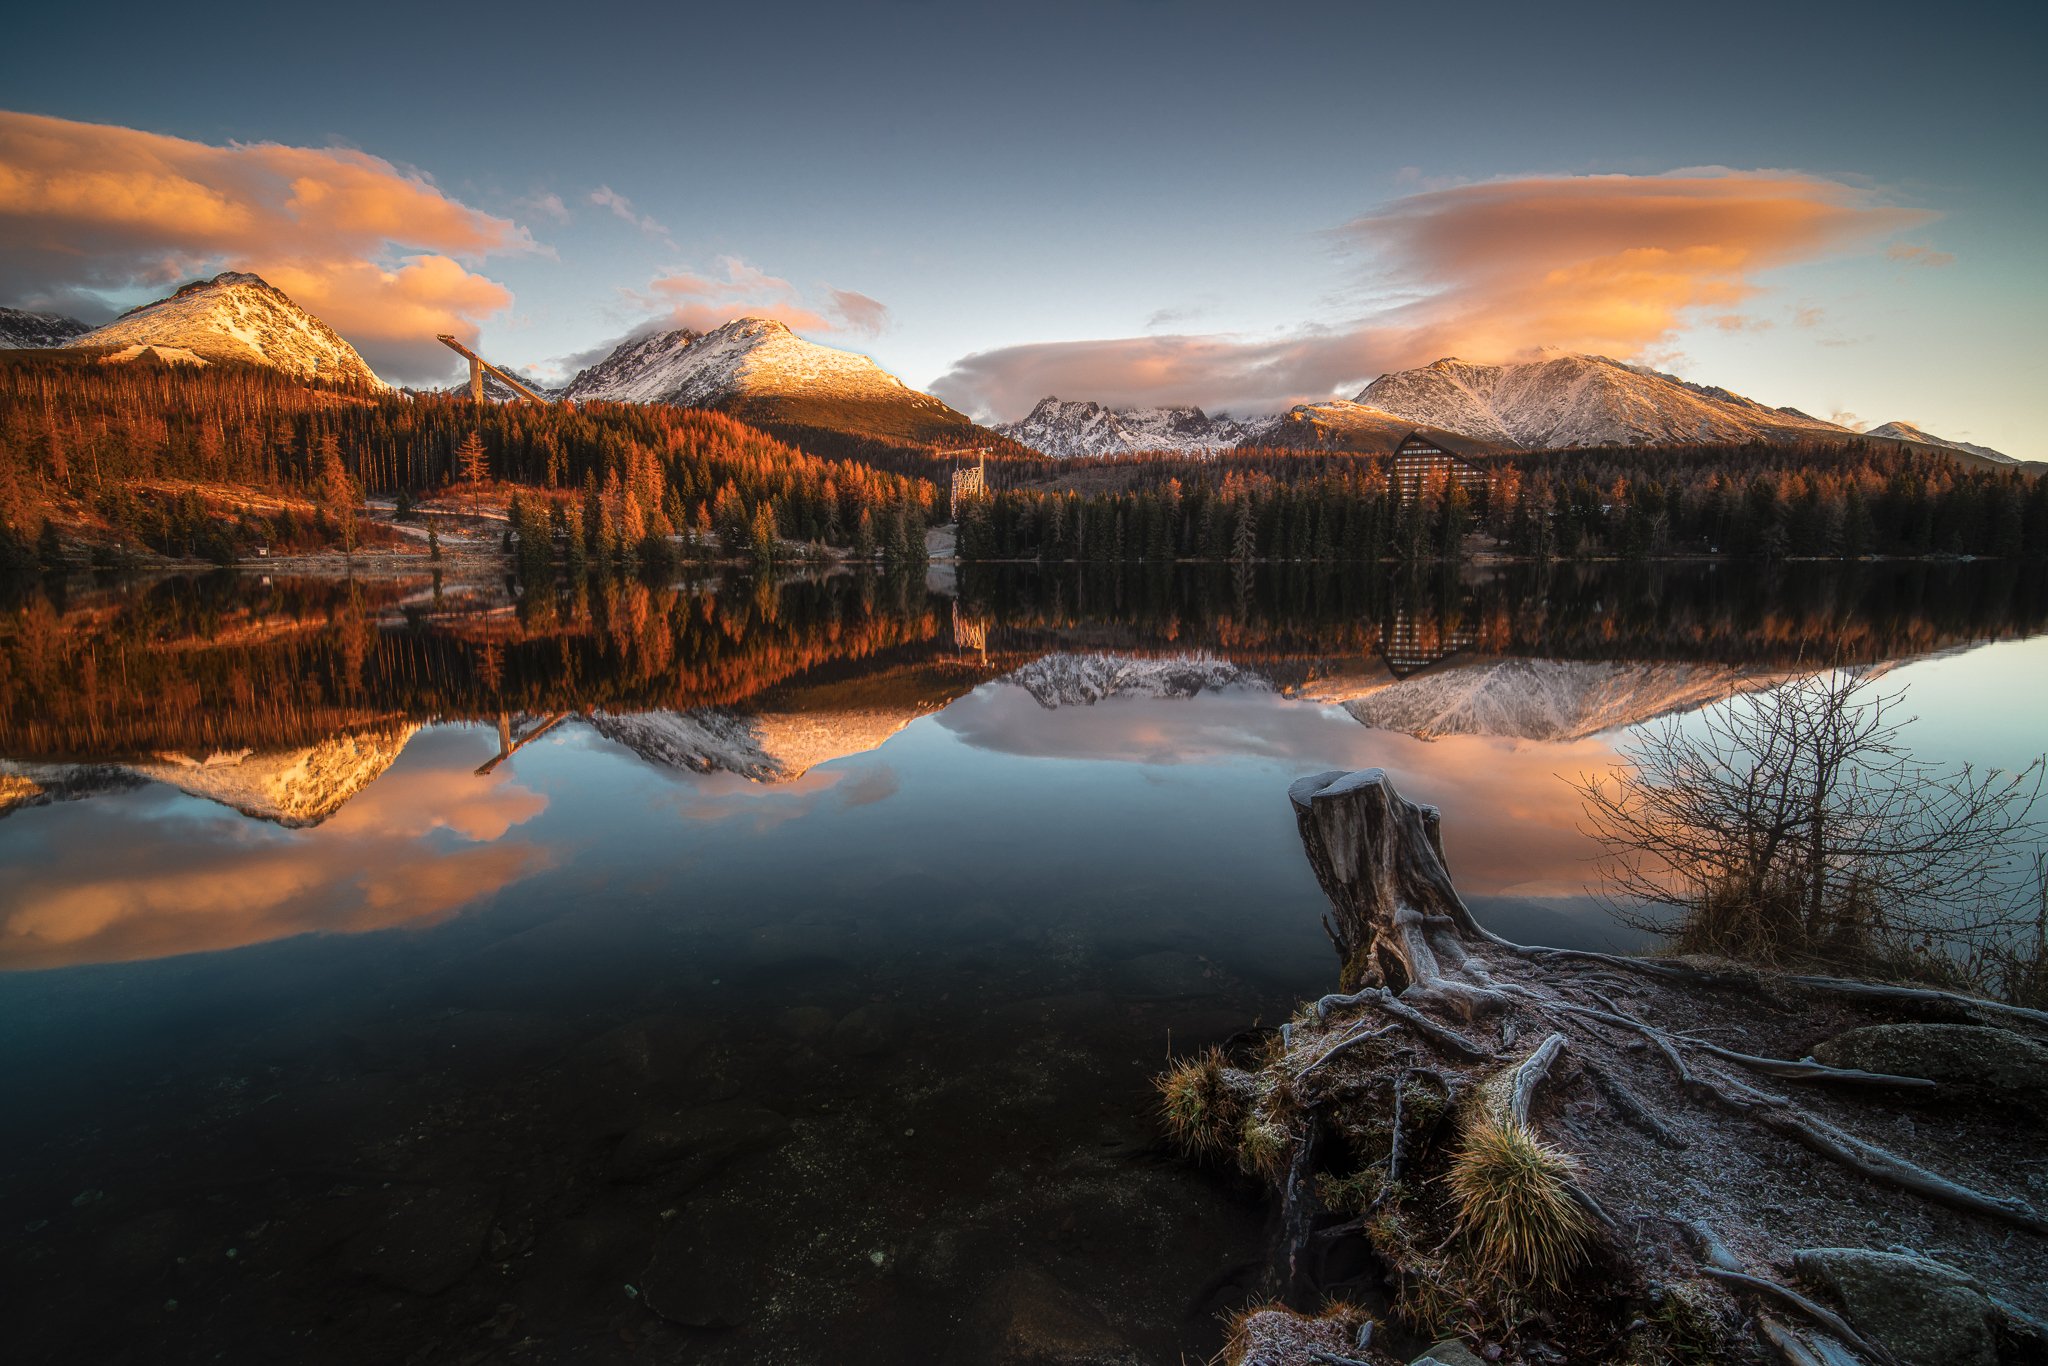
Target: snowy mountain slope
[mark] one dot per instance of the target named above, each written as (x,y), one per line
(1570,400)
(1344,425)
(1077,680)
(707,740)
(650,369)
(756,368)
(763,747)
(22,330)
(238,317)
(26,785)
(289,787)
(1077,427)
(1906,431)
(1545,699)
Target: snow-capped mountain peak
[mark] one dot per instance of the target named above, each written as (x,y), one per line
(1563,400)
(1080,427)
(758,370)
(751,357)
(236,317)
(22,330)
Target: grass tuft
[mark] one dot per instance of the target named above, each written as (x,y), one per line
(1262,1148)
(1201,1112)
(1515,1208)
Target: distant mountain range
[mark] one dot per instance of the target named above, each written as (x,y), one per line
(758,370)
(1556,403)
(1078,427)
(234,317)
(21,330)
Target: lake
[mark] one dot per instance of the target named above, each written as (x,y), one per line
(769,971)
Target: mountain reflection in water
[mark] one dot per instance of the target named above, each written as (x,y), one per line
(290,702)
(794,953)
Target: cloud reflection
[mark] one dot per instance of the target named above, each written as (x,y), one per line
(1515,825)
(149,874)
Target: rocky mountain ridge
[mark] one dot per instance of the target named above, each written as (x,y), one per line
(1557,402)
(1562,401)
(21,330)
(1079,427)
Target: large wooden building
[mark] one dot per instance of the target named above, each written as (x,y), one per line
(1421,462)
(970,482)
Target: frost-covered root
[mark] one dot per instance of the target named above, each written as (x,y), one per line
(1779,1114)
(1423,982)
(1446,1039)
(1950,1004)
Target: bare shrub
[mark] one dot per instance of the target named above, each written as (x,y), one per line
(1794,827)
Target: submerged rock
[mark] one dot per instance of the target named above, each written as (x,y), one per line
(425,1240)
(1032,1320)
(695,1143)
(581,1267)
(1988,1063)
(864,1033)
(1165,975)
(706,1271)
(1925,1312)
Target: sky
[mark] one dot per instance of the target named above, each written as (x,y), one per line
(1831,207)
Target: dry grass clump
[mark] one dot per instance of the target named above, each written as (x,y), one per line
(1262,1148)
(1271,1334)
(1514,1204)
(1198,1105)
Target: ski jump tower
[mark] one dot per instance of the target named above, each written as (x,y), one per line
(969,483)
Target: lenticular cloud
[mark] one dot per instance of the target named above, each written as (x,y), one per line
(1611,264)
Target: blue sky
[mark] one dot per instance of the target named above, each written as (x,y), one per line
(1009,177)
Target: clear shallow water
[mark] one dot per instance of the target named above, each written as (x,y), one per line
(819,1008)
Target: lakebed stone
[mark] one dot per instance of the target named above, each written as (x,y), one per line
(693,1144)
(706,1270)
(1030,1319)
(425,1239)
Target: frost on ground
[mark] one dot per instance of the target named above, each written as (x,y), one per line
(1680,1177)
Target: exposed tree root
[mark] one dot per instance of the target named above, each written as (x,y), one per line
(1950,1004)
(1413,956)
(1446,1039)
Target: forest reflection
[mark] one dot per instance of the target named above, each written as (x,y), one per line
(288,704)
(182,671)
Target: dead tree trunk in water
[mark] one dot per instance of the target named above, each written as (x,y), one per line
(1397,920)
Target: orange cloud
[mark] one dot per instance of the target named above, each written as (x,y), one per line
(1612,264)
(381,253)
(701,302)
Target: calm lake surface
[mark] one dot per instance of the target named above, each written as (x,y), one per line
(758,971)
